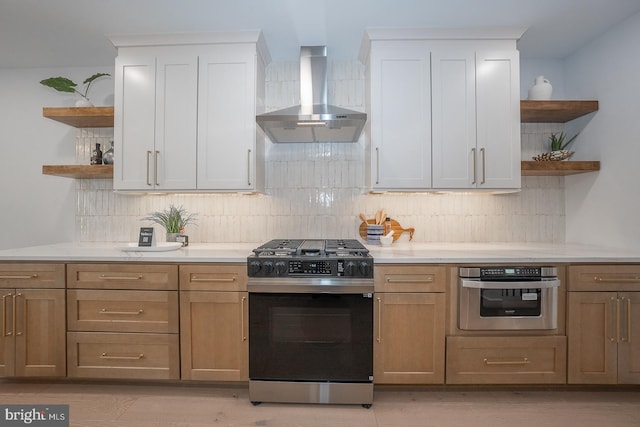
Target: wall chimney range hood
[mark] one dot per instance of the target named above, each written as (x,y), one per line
(313,120)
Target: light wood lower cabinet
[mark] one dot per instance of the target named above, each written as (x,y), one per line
(409,324)
(604,324)
(506,360)
(33,320)
(123,321)
(214,322)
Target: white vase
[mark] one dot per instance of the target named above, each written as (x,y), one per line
(541,90)
(83,102)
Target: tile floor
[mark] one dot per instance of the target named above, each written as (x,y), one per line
(196,405)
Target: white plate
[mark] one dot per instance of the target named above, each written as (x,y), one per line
(160,247)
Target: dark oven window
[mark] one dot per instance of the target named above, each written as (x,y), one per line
(510,302)
(310,337)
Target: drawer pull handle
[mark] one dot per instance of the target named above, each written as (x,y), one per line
(427,280)
(105,277)
(26,276)
(622,279)
(523,361)
(136,357)
(131,313)
(226,280)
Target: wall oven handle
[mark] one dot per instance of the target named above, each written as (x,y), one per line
(540,284)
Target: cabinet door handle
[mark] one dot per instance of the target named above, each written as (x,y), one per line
(215,280)
(5,333)
(148,171)
(615,319)
(379,338)
(377,165)
(136,357)
(15,315)
(20,277)
(484,165)
(628,319)
(242,328)
(618,280)
(523,361)
(475,164)
(131,313)
(249,167)
(105,277)
(155,168)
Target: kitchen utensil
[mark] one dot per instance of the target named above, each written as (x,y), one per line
(395,226)
(363,217)
(374,232)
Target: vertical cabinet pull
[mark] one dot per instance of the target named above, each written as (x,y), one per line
(615,319)
(484,165)
(15,314)
(249,167)
(242,310)
(379,338)
(155,168)
(5,333)
(629,320)
(475,164)
(618,319)
(148,171)
(377,165)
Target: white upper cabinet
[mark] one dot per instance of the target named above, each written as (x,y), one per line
(185,108)
(444,109)
(400,116)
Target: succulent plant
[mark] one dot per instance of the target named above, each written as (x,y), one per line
(558,141)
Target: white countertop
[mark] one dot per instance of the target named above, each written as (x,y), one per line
(399,252)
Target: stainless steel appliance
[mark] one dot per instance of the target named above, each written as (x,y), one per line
(311,322)
(506,298)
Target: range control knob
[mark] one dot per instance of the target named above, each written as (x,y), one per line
(281,268)
(350,269)
(254,268)
(365,269)
(268,267)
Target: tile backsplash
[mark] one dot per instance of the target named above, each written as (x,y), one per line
(317,190)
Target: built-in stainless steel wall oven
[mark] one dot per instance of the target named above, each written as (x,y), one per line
(508,298)
(311,322)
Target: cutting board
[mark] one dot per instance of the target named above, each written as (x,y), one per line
(395,226)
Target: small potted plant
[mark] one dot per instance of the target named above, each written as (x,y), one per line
(558,148)
(173,220)
(63,84)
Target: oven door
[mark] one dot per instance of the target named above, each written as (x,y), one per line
(486,305)
(311,337)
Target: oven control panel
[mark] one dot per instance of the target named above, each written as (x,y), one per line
(508,273)
(360,267)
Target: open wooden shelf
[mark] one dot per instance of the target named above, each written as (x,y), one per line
(533,168)
(556,111)
(81,117)
(79,171)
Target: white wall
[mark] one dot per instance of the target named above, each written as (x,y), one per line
(603,208)
(36,208)
(551,69)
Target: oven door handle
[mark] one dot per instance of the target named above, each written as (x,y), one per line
(552,283)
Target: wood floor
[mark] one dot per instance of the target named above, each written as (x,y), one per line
(195,405)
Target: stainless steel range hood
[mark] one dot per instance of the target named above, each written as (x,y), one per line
(313,120)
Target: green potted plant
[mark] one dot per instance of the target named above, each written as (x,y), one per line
(173,220)
(559,146)
(63,84)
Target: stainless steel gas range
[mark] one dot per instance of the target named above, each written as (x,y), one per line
(311,322)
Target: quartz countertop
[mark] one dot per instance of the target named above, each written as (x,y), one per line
(399,252)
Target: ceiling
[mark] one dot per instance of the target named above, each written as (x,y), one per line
(66,33)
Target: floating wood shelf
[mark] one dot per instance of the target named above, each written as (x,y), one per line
(81,117)
(533,168)
(79,171)
(555,111)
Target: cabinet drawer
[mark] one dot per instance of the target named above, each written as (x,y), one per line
(507,360)
(213,277)
(131,356)
(122,311)
(604,278)
(123,276)
(409,278)
(18,275)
